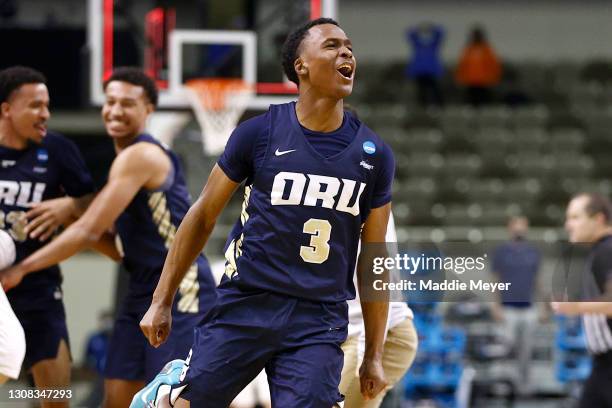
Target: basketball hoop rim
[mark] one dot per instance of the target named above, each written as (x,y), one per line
(213,93)
(218,104)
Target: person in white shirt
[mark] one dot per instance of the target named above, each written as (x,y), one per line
(12,341)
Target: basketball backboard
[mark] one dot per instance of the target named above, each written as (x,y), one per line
(178,40)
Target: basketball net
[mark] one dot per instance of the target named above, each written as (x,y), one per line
(218,104)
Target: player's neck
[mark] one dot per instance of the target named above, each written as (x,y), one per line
(122,143)
(319,114)
(8,138)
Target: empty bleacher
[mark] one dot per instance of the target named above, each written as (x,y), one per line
(461,166)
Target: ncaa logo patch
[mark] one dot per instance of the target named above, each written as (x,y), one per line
(42,155)
(369,147)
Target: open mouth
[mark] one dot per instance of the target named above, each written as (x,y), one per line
(346,70)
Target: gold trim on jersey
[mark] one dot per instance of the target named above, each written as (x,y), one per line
(161,217)
(188,290)
(189,287)
(234,250)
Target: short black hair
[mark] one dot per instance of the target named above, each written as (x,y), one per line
(13,78)
(135,76)
(597,204)
(293,42)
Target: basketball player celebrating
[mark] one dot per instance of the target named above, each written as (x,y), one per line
(146,198)
(316,180)
(37,165)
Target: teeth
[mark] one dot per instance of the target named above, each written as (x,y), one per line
(346,70)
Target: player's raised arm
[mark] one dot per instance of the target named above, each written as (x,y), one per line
(191,236)
(44,218)
(375,314)
(131,170)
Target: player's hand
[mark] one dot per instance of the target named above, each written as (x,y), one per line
(156,323)
(565,308)
(11,277)
(44,218)
(372,378)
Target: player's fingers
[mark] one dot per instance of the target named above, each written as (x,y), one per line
(157,336)
(379,386)
(48,233)
(35,222)
(366,385)
(145,327)
(44,230)
(370,390)
(373,387)
(35,211)
(161,335)
(153,341)
(149,334)
(31,225)
(153,333)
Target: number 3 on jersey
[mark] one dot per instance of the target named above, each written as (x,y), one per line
(318,249)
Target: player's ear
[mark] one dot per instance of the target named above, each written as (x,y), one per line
(301,67)
(150,108)
(4,109)
(601,219)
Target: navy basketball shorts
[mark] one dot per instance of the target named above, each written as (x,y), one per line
(44,330)
(130,356)
(296,341)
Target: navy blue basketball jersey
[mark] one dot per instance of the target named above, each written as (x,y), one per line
(147,228)
(40,172)
(303,212)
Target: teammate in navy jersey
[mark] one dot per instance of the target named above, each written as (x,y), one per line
(315,176)
(37,165)
(146,198)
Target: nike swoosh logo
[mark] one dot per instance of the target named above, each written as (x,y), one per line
(279,153)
